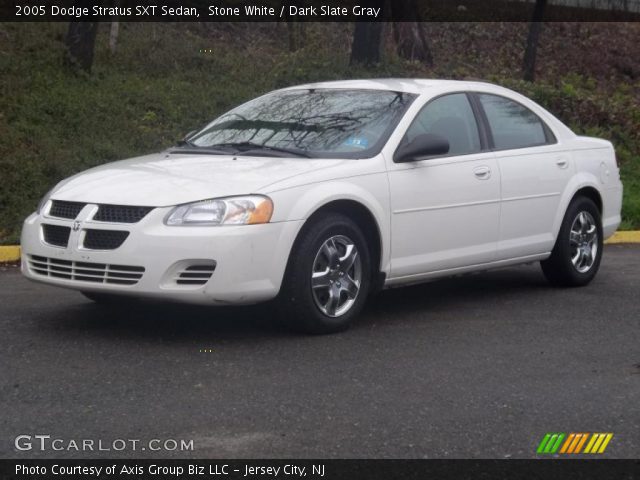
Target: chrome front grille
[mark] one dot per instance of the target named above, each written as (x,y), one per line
(104,239)
(195,274)
(62,209)
(56,235)
(121,213)
(85,271)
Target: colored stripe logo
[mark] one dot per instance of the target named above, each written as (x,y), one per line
(573,443)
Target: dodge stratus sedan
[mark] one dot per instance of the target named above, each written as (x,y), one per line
(318,195)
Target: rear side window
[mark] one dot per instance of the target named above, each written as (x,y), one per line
(451,117)
(512,124)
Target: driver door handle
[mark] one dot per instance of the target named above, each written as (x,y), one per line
(482,172)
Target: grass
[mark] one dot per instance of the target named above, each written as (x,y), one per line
(159,85)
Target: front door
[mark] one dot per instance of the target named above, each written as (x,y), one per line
(445,210)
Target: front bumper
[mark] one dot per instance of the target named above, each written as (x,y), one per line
(249,260)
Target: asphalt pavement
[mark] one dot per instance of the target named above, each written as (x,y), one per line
(479,366)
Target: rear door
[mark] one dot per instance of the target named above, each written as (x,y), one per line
(534,172)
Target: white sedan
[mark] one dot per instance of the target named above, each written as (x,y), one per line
(318,195)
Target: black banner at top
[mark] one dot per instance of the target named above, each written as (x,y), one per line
(314,10)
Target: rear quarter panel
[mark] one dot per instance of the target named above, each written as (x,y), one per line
(596,167)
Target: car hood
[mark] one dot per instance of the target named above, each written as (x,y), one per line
(165,179)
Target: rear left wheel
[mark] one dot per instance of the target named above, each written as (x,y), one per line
(576,256)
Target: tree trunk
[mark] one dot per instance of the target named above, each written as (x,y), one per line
(410,36)
(367,37)
(80,42)
(297,35)
(114,30)
(113,37)
(411,42)
(529,64)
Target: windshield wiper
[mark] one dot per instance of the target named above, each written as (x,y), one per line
(244,147)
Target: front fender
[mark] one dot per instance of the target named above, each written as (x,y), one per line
(299,203)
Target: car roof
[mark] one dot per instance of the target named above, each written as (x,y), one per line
(408,85)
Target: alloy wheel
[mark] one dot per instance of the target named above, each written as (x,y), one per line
(583,242)
(336,276)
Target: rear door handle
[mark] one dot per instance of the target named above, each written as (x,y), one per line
(562,162)
(482,172)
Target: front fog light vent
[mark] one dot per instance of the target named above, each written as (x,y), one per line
(195,274)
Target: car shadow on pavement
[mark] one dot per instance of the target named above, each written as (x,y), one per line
(482,290)
(167,321)
(171,322)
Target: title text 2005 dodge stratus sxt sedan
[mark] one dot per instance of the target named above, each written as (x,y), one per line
(317,195)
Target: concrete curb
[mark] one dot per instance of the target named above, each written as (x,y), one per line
(11,253)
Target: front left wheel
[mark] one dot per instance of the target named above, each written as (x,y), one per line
(328,277)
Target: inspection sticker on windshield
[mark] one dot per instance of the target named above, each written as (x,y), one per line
(357,142)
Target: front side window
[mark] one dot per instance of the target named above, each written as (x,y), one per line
(451,117)
(512,124)
(314,122)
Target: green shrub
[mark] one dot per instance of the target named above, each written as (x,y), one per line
(160,85)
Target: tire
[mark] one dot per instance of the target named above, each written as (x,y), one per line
(575,258)
(333,250)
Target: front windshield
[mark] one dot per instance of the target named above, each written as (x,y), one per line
(312,122)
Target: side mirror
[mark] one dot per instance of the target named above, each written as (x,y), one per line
(425,145)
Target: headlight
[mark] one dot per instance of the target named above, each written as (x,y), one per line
(247,210)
